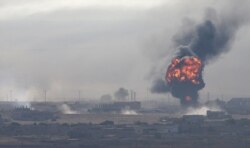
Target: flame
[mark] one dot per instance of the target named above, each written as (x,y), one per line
(185,69)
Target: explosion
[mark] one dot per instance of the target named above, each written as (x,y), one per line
(196,46)
(186,69)
(184,76)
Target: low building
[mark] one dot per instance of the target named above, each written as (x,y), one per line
(117,107)
(191,123)
(27,114)
(238,106)
(217,115)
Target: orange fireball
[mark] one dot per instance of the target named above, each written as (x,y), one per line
(186,69)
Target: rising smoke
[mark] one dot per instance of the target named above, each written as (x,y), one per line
(205,42)
(202,110)
(121,94)
(65,109)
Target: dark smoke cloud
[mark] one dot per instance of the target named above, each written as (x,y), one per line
(207,40)
(210,38)
(160,86)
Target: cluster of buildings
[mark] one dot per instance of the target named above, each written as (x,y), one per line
(216,128)
(191,130)
(238,106)
(117,106)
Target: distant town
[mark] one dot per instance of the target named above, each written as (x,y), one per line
(123,124)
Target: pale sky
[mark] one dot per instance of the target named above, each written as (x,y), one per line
(97,46)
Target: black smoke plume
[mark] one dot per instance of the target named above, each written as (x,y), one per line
(207,41)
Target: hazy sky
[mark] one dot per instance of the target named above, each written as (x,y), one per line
(97,46)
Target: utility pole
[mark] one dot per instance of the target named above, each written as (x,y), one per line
(45,96)
(131,95)
(208,96)
(79,95)
(11,99)
(134,96)
(8,100)
(147,94)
